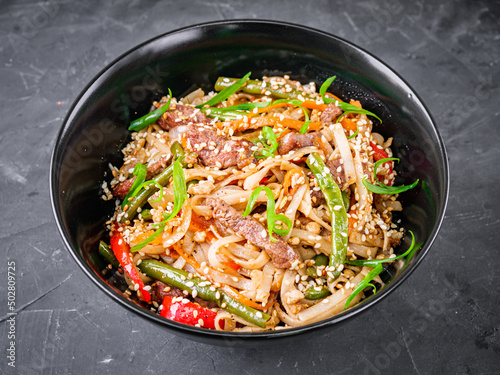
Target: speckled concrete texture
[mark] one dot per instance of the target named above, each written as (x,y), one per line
(443,320)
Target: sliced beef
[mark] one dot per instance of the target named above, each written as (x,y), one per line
(294,140)
(280,252)
(331,111)
(337,171)
(216,150)
(121,189)
(182,115)
(317,198)
(161,290)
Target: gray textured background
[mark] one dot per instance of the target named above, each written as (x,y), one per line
(444,319)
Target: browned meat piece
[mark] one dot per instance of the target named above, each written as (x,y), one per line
(280,252)
(121,189)
(331,111)
(216,150)
(161,290)
(294,140)
(317,197)
(337,171)
(182,115)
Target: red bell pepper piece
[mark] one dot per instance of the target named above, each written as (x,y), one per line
(381,154)
(188,313)
(122,253)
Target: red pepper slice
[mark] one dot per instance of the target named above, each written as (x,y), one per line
(188,313)
(381,154)
(122,253)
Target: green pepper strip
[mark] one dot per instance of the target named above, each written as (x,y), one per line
(268,135)
(345,107)
(226,92)
(272,217)
(384,189)
(180,279)
(151,117)
(161,179)
(140,172)
(180,196)
(335,202)
(364,283)
(373,262)
(106,252)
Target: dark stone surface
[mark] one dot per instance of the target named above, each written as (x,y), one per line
(444,319)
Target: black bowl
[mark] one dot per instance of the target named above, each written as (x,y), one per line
(95,130)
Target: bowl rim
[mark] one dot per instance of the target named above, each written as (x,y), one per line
(356,310)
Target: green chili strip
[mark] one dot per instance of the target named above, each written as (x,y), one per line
(225,93)
(151,117)
(374,262)
(272,217)
(269,136)
(140,172)
(140,198)
(346,107)
(384,189)
(180,195)
(364,283)
(335,202)
(180,279)
(107,253)
(298,103)
(354,134)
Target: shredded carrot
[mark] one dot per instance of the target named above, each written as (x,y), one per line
(188,258)
(141,237)
(244,300)
(309,104)
(334,97)
(282,134)
(259,122)
(199,223)
(357,103)
(287,181)
(233,293)
(348,124)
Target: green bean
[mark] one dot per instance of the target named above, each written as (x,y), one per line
(335,202)
(312,293)
(319,260)
(180,279)
(106,252)
(146,214)
(257,87)
(177,150)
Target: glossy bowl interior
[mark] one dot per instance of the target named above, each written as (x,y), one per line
(95,130)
